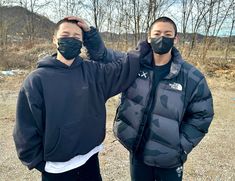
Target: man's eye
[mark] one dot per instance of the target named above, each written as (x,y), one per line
(156,35)
(168,35)
(64,35)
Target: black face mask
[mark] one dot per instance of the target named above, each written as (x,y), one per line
(69,47)
(162,45)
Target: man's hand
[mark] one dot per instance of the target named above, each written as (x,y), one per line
(81,23)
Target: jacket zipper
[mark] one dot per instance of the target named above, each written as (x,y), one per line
(147,111)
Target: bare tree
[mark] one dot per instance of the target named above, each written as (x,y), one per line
(3,30)
(150,12)
(33,6)
(121,21)
(130,19)
(136,19)
(63,8)
(3,26)
(199,11)
(213,21)
(155,8)
(187,6)
(209,19)
(231,29)
(98,10)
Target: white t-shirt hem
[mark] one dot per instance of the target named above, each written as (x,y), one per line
(77,161)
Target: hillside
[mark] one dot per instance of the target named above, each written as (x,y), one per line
(18,21)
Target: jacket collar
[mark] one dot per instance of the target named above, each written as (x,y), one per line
(147,59)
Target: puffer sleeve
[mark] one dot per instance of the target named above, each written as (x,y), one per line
(198,117)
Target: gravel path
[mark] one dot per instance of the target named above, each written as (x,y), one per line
(212,160)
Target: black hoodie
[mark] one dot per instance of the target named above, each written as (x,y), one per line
(61,109)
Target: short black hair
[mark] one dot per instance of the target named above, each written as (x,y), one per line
(57,26)
(163,19)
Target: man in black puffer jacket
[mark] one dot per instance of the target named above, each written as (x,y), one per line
(166,112)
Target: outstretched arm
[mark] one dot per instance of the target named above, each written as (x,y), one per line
(120,74)
(95,45)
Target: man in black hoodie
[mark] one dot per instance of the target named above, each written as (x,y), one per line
(60,117)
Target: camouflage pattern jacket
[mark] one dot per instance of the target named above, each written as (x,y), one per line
(177,120)
(164,129)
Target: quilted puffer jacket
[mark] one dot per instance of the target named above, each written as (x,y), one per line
(164,124)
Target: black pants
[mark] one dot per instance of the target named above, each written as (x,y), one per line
(90,171)
(142,172)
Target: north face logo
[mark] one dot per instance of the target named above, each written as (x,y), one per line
(176,86)
(143,74)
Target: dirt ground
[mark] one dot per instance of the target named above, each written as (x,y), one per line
(212,160)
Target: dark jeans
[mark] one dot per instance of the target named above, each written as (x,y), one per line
(90,171)
(142,172)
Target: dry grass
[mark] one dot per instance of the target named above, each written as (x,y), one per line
(24,55)
(212,160)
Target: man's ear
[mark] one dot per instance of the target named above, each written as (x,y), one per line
(176,39)
(149,39)
(55,41)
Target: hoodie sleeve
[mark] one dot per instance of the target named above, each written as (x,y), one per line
(28,127)
(198,117)
(97,50)
(120,74)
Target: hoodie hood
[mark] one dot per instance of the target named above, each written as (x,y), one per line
(52,62)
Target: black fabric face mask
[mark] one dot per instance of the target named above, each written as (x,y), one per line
(162,45)
(69,47)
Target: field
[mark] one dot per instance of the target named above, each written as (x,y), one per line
(212,160)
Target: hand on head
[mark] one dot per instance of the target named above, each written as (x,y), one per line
(81,23)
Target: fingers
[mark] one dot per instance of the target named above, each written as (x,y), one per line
(80,22)
(84,26)
(75,18)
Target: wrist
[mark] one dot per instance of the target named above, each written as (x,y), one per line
(87,29)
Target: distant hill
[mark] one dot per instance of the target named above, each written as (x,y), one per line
(130,37)
(20,22)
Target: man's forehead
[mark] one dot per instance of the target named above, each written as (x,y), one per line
(66,26)
(163,26)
